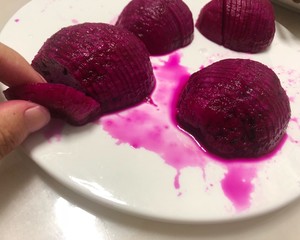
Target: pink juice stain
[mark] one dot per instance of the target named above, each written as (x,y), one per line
(238,185)
(74,21)
(53,131)
(153,127)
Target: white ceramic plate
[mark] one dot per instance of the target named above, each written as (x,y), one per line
(116,162)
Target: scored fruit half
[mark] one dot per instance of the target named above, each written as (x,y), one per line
(240,25)
(163,25)
(235,108)
(106,62)
(87,66)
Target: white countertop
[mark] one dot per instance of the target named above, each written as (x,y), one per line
(35,206)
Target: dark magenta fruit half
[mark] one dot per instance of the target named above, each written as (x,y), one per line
(107,63)
(240,25)
(235,108)
(163,25)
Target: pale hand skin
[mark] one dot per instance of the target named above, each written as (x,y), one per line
(18,118)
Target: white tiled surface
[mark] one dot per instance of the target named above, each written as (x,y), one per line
(34,206)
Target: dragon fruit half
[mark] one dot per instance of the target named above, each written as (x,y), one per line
(109,65)
(240,25)
(163,25)
(236,108)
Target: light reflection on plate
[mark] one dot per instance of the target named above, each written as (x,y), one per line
(90,161)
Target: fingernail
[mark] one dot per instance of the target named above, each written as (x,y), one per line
(43,80)
(36,118)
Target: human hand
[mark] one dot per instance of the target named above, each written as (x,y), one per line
(18,118)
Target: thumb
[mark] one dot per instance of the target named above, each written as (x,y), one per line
(17,120)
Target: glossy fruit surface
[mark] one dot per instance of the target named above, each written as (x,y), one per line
(240,25)
(163,25)
(62,101)
(235,108)
(106,62)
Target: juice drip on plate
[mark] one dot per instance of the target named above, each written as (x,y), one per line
(53,131)
(238,185)
(152,126)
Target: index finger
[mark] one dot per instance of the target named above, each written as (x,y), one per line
(14,69)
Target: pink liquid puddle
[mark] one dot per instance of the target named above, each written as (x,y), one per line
(238,185)
(153,127)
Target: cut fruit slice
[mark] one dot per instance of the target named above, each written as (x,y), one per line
(62,101)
